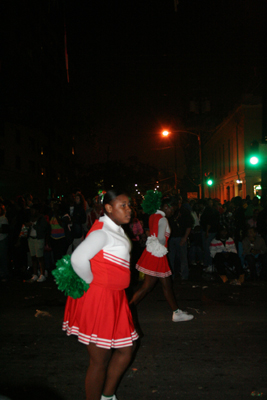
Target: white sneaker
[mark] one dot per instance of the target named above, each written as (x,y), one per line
(179,316)
(33,279)
(41,278)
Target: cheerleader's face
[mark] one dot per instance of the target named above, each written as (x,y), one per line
(119,210)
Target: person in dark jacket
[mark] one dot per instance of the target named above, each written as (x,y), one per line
(181,223)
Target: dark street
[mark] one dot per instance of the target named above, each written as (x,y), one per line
(220,354)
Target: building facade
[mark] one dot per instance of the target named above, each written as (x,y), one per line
(226,152)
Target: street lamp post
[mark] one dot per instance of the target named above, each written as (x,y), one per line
(166,133)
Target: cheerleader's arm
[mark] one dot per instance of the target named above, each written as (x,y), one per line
(163,223)
(80,259)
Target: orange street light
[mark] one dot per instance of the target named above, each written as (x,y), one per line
(165,133)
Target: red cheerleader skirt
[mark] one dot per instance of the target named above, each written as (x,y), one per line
(152,265)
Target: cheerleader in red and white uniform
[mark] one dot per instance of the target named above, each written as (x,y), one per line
(101,318)
(153,261)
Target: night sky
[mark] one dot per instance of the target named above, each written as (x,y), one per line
(135,66)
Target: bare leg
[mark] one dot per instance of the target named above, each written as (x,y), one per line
(41,265)
(34,265)
(119,362)
(168,292)
(148,284)
(96,373)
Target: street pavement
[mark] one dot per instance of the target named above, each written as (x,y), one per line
(219,355)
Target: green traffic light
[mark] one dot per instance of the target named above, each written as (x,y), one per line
(254,160)
(210,182)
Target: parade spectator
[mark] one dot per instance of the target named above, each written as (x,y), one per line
(58,239)
(262,224)
(95,213)
(252,222)
(227,218)
(209,222)
(78,219)
(38,230)
(196,242)
(225,258)
(239,220)
(181,223)
(254,205)
(4,229)
(255,253)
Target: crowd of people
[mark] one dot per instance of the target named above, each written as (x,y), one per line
(226,239)
(113,244)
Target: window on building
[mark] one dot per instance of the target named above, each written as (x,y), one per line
(72,151)
(18,162)
(18,136)
(2,157)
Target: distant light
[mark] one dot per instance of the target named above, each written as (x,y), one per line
(238,181)
(165,133)
(138,192)
(210,182)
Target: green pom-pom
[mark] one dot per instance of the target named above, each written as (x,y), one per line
(152,202)
(67,279)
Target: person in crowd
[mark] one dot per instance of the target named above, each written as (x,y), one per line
(255,254)
(135,233)
(262,224)
(21,249)
(239,220)
(225,258)
(95,213)
(227,218)
(37,236)
(153,261)
(58,240)
(181,223)
(252,222)
(196,242)
(78,219)
(254,205)
(4,229)
(101,318)
(209,222)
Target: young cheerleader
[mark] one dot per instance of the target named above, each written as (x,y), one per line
(153,262)
(101,318)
